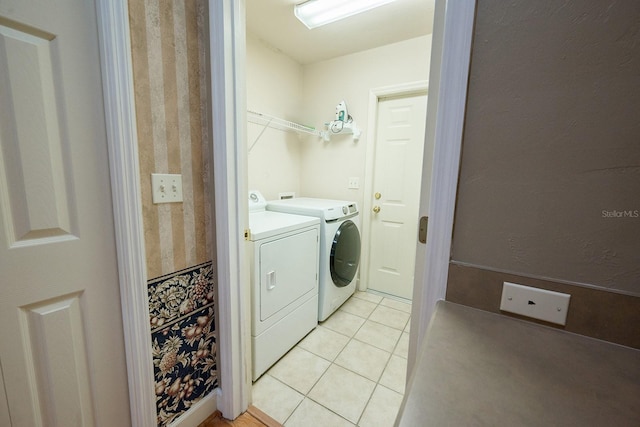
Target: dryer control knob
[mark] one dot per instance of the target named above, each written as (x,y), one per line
(345,210)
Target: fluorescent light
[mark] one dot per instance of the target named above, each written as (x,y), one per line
(314,13)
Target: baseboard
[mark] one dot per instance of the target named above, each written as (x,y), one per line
(262,417)
(198,412)
(593,312)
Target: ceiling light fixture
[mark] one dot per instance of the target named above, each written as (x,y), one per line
(314,13)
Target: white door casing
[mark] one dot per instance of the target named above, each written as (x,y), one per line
(122,136)
(226,20)
(449,72)
(61,344)
(375,95)
(115,52)
(229,160)
(397,172)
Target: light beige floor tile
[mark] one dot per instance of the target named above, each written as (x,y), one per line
(343,392)
(368,297)
(309,413)
(407,329)
(274,398)
(382,409)
(402,349)
(395,374)
(363,359)
(378,335)
(390,317)
(299,369)
(398,305)
(324,343)
(359,307)
(344,323)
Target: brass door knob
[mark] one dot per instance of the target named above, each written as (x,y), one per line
(377,196)
(376,209)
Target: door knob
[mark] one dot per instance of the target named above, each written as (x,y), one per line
(376,209)
(377,195)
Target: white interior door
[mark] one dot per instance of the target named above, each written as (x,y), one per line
(61,341)
(396,193)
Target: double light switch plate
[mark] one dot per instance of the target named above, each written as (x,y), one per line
(166,188)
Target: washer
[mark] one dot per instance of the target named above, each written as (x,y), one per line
(339,246)
(284,281)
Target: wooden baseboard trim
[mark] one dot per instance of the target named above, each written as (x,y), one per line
(262,417)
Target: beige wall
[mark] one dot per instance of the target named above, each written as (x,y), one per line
(168,43)
(327,166)
(308,94)
(550,150)
(274,87)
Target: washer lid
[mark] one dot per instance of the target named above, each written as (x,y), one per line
(265,224)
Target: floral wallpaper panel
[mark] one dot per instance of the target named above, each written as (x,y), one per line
(183,337)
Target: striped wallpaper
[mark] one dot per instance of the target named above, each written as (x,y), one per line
(169,47)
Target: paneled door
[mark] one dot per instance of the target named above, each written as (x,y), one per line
(397,173)
(62,360)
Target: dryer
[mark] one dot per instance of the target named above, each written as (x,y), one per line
(339,246)
(284,281)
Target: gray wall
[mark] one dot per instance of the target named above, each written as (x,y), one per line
(551,149)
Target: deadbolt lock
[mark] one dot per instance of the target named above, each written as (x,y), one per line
(377,196)
(376,209)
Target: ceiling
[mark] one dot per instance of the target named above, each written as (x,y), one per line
(273,22)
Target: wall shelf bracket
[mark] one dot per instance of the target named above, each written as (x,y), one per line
(338,127)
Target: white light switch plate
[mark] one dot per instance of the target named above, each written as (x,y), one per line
(166,188)
(534,302)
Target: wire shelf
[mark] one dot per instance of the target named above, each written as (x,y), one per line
(282,124)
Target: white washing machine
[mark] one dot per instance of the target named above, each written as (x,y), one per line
(284,281)
(339,246)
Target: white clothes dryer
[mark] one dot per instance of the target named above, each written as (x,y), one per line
(284,281)
(339,246)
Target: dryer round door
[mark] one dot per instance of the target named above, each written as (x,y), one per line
(345,254)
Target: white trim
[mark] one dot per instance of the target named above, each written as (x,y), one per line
(117,78)
(199,412)
(450,60)
(227,47)
(375,94)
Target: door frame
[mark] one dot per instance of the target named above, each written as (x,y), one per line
(375,95)
(229,160)
(449,75)
(451,49)
(122,141)
(450,60)
(226,21)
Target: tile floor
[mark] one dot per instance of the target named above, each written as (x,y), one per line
(348,371)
